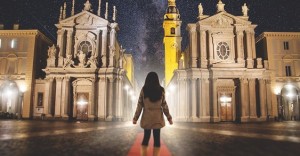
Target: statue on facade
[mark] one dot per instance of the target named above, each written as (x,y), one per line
(92,62)
(81,58)
(68,62)
(181,61)
(245,10)
(220,6)
(52,51)
(200,9)
(87,6)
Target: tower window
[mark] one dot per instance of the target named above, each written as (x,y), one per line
(288,71)
(0,42)
(172,31)
(286,45)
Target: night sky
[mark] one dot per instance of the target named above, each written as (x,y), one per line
(140,21)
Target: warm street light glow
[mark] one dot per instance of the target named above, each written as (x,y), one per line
(290,95)
(277,90)
(225,99)
(126,87)
(23,88)
(82,102)
(131,92)
(9,92)
(172,88)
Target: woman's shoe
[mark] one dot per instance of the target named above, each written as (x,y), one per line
(144,150)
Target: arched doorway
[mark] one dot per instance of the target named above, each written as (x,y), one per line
(289,108)
(10,104)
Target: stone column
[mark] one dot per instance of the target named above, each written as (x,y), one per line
(262,94)
(48,97)
(60,40)
(182,102)
(193,99)
(214,99)
(69,42)
(102,88)
(58,96)
(110,99)
(249,50)
(244,99)
(120,100)
(91,114)
(269,99)
(240,47)
(252,99)
(193,45)
(253,44)
(66,104)
(104,47)
(205,100)
(211,50)
(203,51)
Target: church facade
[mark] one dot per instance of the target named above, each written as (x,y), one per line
(219,77)
(85,73)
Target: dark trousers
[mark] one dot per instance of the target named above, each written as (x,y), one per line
(156,135)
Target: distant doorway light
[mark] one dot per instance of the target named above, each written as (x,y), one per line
(13,43)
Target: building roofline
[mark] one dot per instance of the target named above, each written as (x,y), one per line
(277,34)
(34,32)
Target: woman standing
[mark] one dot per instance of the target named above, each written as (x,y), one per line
(153,103)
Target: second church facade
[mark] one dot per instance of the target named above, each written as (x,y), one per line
(219,77)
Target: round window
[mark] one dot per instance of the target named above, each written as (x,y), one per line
(223,50)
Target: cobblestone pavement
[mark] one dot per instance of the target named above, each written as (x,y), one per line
(24,137)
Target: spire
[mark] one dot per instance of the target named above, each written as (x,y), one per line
(65,10)
(220,6)
(73,3)
(106,11)
(99,8)
(171,3)
(87,6)
(115,14)
(60,13)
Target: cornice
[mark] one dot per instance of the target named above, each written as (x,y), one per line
(34,32)
(277,34)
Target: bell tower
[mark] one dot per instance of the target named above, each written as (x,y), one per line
(172,40)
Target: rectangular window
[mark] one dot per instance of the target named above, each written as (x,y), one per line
(13,43)
(40,99)
(0,42)
(288,71)
(172,31)
(286,45)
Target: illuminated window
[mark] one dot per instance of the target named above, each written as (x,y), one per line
(223,50)
(0,42)
(13,43)
(172,30)
(286,45)
(288,71)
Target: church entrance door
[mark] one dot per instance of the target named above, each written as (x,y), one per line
(226,107)
(82,106)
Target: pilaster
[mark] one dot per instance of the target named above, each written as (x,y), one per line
(203,51)
(262,98)
(252,99)
(214,102)
(244,100)
(104,48)
(58,97)
(110,115)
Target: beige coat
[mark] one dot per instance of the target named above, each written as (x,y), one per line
(152,117)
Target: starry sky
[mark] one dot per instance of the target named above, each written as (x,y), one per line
(140,21)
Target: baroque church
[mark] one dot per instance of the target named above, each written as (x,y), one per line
(85,72)
(218,77)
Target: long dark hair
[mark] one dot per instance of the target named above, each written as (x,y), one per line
(152,88)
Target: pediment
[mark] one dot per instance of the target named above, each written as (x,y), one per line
(223,19)
(85,18)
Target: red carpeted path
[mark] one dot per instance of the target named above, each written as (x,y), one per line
(135,148)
